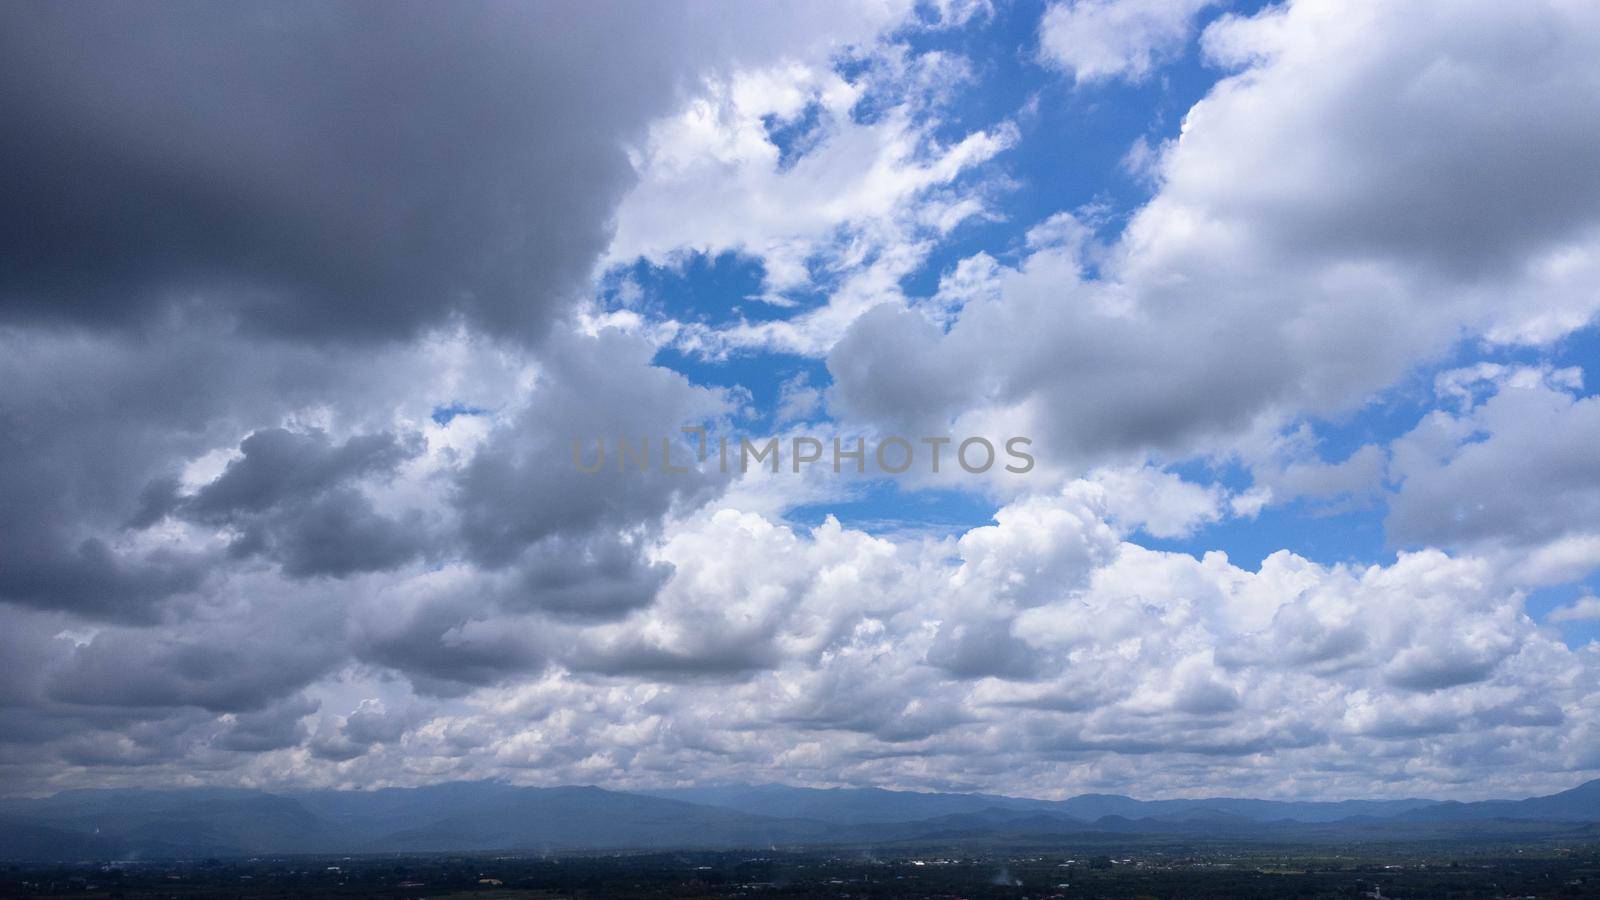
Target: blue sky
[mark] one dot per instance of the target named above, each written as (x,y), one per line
(1071,155)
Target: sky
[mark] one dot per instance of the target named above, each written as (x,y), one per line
(312,314)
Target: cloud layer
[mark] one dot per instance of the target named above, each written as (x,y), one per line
(304,308)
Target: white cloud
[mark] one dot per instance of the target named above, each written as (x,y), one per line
(1583,609)
(854,206)
(1160,503)
(1513,470)
(1289,468)
(1349,205)
(1040,649)
(1098,40)
(798,399)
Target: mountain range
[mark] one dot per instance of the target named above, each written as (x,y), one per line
(490,816)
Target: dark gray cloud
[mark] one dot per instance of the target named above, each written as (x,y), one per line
(346,169)
(536,536)
(337,534)
(289,496)
(221,669)
(369,724)
(121,697)
(982,647)
(447,642)
(100,427)
(600,577)
(205,187)
(523,486)
(278,466)
(342,169)
(56,570)
(140,744)
(712,659)
(276,727)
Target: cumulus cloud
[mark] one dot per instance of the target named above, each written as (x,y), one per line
(353,735)
(1512,467)
(829,182)
(1160,503)
(1307,245)
(289,496)
(244,282)
(1044,646)
(1097,40)
(1583,609)
(277,727)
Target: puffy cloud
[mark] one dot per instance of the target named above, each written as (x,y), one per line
(1583,609)
(535,535)
(245,281)
(1511,468)
(830,182)
(1288,466)
(1355,127)
(1309,241)
(289,496)
(1097,40)
(103,427)
(1040,548)
(275,728)
(524,485)
(353,735)
(1160,503)
(1038,647)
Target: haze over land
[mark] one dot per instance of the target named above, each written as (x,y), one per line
(486,816)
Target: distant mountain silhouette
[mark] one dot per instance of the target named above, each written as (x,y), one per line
(854,806)
(1581,804)
(489,816)
(845,806)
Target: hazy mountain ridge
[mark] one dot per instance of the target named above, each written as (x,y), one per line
(489,816)
(849,806)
